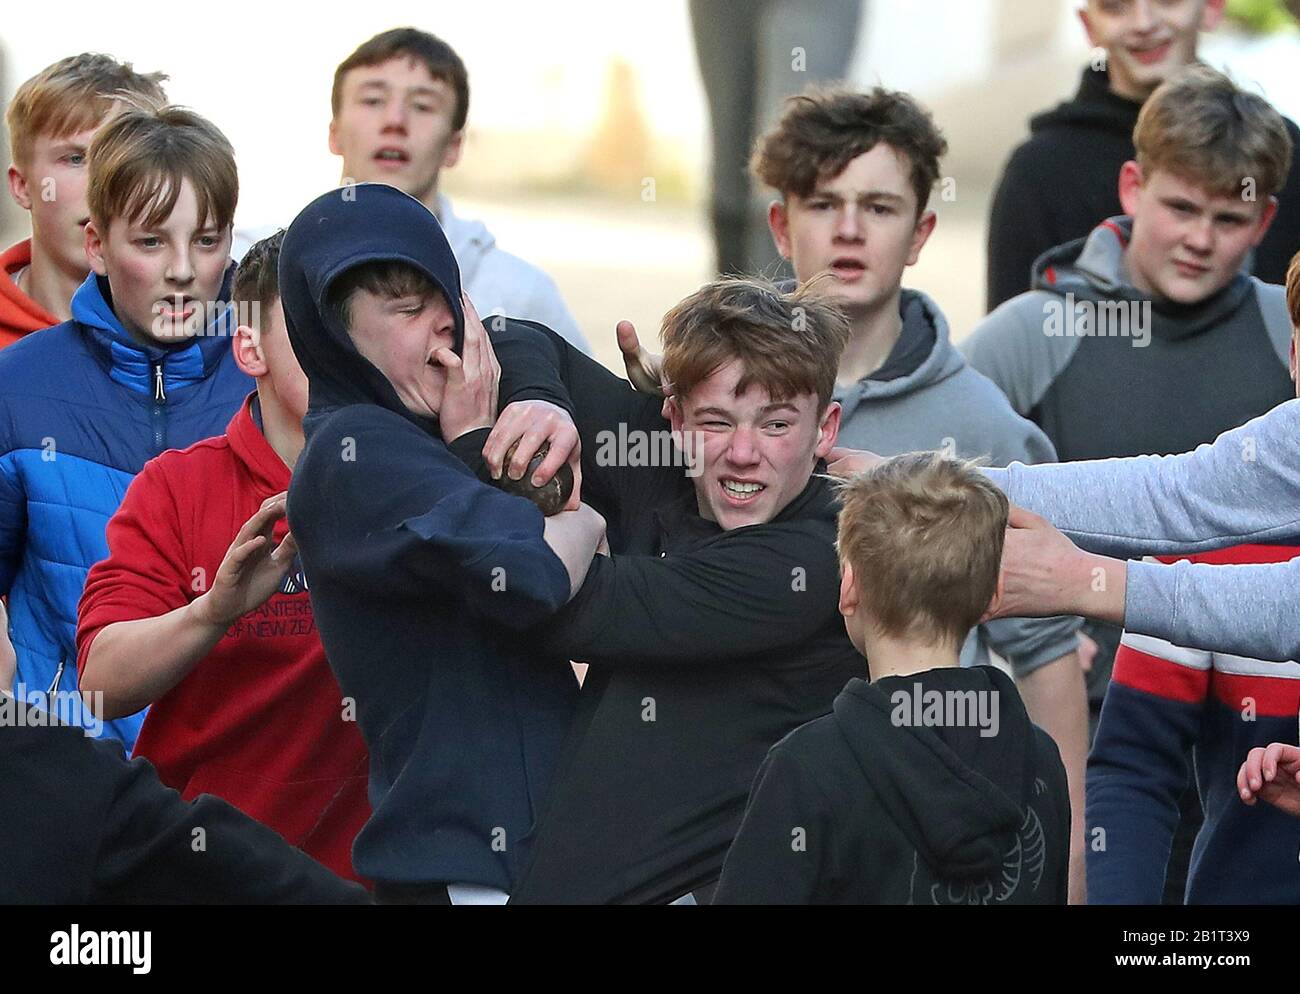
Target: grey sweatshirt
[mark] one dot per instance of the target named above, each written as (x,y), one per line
(925,397)
(1244,487)
(1105,371)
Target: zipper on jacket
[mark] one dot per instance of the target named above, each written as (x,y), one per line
(158,415)
(58,675)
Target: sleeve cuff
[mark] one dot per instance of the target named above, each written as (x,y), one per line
(468,448)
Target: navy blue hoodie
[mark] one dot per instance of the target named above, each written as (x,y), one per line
(421,577)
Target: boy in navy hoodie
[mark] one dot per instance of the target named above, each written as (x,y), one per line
(143,365)
(422,576)
(929,785)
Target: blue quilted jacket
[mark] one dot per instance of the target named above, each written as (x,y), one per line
(82,408)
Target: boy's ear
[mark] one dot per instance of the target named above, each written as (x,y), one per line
(1087,24)
(1291,359)
(334,146)
(921,234)
(830,429)
(95,249)
(778,221)
(673,408)
(1212,16)
(999,592)
(455,145)
(18,189)
(1130,186)
(848,591)
(247,347)
(1265,220)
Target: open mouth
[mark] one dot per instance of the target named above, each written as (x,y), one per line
(176,308)
(1152,54)
(847,268)
(392,156)
(741,491)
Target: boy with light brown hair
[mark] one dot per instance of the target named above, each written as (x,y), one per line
(144,365)
(928,785)
(52,120)
(1061,182)
(1150,336)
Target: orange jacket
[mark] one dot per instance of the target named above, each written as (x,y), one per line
(19,314)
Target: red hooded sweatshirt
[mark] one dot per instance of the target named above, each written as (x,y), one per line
(260,721)
(19,314)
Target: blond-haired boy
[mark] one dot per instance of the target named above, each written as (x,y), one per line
(928,785)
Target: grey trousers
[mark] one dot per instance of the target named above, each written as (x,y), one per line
(752,55)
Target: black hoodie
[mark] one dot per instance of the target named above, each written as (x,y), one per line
(869,805)
(706,646)
(1064,181)
(421,576)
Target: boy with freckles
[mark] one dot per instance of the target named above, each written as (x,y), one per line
(143,365)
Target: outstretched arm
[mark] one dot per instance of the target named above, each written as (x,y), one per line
(1239,610)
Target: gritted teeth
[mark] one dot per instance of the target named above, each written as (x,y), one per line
(741,490)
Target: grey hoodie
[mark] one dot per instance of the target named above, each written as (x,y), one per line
(500,283)
(1245,487)
(944,404)
(1105,370)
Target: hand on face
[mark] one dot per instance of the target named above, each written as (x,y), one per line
(844,463)
(469,399)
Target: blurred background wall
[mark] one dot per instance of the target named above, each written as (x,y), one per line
(574,104)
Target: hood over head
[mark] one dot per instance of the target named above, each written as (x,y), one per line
(336,232)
